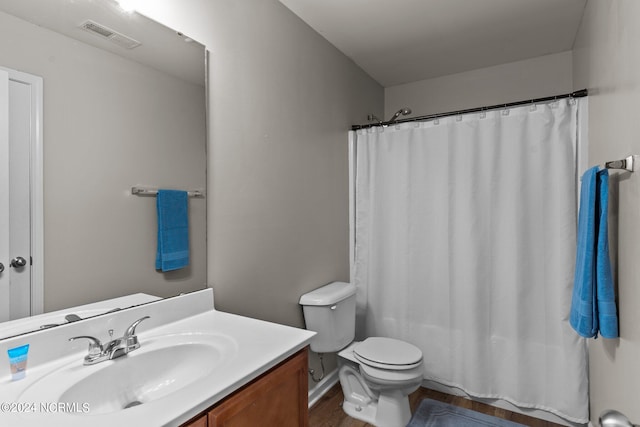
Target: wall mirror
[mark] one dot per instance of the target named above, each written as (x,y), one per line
(123,105)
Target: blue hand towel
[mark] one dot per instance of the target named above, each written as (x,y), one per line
(607,313)
(173,230)
(583,316)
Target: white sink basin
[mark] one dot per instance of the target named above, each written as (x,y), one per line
(160,367)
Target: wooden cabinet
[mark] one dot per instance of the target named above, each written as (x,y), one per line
(277,398)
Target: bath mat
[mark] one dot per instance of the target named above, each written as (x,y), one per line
(432,413)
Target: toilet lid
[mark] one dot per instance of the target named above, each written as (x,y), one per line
(388,353)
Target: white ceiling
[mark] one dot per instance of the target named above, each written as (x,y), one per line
(161,48)
(402,41)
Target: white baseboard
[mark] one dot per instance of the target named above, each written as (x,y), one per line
(322,387)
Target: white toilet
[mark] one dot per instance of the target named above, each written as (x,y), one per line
(376,374)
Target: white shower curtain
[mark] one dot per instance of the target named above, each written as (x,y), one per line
(465,233)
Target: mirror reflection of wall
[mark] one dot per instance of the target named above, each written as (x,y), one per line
(110,123)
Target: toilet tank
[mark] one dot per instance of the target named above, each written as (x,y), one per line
(331,312)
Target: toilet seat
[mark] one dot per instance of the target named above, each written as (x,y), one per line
(388,376)
(388,354)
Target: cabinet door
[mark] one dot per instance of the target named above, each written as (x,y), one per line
(198,422)
(279,399)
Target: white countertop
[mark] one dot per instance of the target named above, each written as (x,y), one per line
(259,347)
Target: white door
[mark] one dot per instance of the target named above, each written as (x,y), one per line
(5,283)
(20,194)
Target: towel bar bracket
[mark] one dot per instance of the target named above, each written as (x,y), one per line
(626,164)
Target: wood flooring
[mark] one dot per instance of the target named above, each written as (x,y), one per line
(327,412)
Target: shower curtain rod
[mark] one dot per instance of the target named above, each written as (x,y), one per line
(576,94)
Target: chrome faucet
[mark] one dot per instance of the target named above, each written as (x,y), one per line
(99,352)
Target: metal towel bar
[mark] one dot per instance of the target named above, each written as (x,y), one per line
(144,191)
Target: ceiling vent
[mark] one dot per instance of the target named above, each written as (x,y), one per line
(109,34)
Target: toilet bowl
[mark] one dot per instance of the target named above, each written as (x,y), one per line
(377,374)
(376,388)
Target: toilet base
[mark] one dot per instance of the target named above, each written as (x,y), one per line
(389,411)
(359,412)
(393,410)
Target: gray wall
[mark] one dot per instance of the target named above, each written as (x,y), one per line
(281,101)
(607,62)
(109,124)
(531,78)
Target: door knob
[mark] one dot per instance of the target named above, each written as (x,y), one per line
(18,262)
(1,267)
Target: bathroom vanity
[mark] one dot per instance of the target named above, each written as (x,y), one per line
(195,367)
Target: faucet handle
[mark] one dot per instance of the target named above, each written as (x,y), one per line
(130,338)
(95,346)
(131,330)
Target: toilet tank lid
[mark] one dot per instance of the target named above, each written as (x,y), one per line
(328,294)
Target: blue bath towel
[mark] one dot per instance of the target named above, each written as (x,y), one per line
(607,312)
(173,230)
(583,317)
(593,306)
